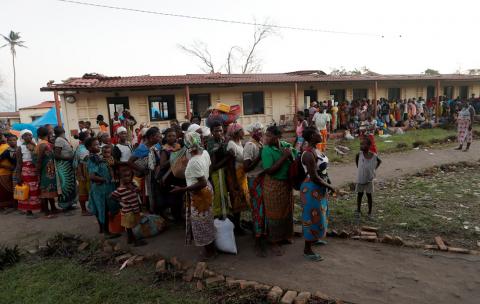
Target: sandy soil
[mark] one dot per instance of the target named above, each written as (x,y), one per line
(354,271)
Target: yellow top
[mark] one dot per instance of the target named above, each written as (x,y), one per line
(4,162)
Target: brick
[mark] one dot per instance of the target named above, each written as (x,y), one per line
(458,250)
(355,237)
(288,297)
(200,285)
(264,287)
(322,296)
(177,265)
(199,270)
(83,246)
(441,245)
(366,233)
(188,275)
(430,247)
(122,258)
(302,298)
(397,241)
(161,266)
(369,238)
(370,229)
(214,281)
(387,239)
(247,284)
(343,234)
(208,274)
(274,294)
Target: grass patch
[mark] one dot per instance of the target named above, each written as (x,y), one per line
(65,281)
(398,143)
(442,201)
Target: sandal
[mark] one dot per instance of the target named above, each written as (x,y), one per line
(320,243)
(49,216)
(313,257)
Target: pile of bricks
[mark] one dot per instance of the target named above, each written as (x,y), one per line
(442,245)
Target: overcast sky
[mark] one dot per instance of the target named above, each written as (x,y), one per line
(67,40)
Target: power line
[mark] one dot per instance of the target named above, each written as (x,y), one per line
(305,29)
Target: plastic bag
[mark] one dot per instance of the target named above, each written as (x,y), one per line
(150,225)
(225,238)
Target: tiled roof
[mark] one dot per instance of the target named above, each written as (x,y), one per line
(9,114)
(43,105)
(97,81)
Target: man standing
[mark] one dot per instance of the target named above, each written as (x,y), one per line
(322,120)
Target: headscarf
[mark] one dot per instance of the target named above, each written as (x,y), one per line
(255,129)
(193,128)
(234,128)
(20,140)
(193,141)
(121,129)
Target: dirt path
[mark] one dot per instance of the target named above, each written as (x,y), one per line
(354,271)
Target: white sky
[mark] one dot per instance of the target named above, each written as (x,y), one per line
(69,40)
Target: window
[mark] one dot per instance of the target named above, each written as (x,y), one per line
(162,107)
(253,103)
(338,95)
(430,92)
(463,92)
(448,92)
(393,93)
(200,103)
(35,117)
(360,94)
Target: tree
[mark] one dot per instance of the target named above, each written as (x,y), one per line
(343,72)
(240,59)
(431,72)
(474,72)
(13,40)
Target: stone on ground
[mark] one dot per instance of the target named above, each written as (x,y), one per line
(289,297)
(214,281)
(122,258)
(321,295)
(199,270)
(440,243)
(274,294)
(303,297)
(161,266)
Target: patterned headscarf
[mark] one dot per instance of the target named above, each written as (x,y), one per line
(193,141)
(255,130)
(234,128)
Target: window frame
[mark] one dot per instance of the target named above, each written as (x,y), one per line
(253,103)
(399,94)
(357,90)
(466,93)
(171,107)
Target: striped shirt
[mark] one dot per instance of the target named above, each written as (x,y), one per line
(128,199)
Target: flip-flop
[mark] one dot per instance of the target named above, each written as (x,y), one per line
(50,216)
(313,257)
(320,243)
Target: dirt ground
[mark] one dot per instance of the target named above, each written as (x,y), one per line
(354,271)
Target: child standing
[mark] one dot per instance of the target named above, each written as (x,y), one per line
(101,186)
(367,163)
(127,194)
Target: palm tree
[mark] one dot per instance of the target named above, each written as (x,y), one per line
(13,40)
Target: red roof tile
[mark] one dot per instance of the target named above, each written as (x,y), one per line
(43,105)
(97,81)
(9,114)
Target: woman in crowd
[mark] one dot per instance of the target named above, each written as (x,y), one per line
(314,194)
(26,173)
(45,165)
(237,180)
(101,187)
(65,174)
(104,139)
(252,163)
(301,125)
(166,179)
(122,151)
(465,126)
(129,122)
(217,149)
(200,228)
(143,161)
(102,124)
(80,159)
(276,159)
(7,165)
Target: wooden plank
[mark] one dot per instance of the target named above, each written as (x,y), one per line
(441,245)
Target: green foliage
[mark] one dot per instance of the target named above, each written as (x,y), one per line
(431,72)
(9,256)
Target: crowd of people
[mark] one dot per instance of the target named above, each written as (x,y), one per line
(191,174)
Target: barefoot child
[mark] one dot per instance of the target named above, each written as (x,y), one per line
(127,194)
(367,163)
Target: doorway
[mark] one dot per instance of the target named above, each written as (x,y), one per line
(308,97)
(200,104)
(116,104)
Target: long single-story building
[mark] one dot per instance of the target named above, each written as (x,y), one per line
(31,113)
(262,97)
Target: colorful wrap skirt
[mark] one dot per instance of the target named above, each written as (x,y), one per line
(314,200)
(30,177)
(199,224)
(278,200)
(255,184)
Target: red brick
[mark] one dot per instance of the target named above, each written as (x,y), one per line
(440,243)
(458,250)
